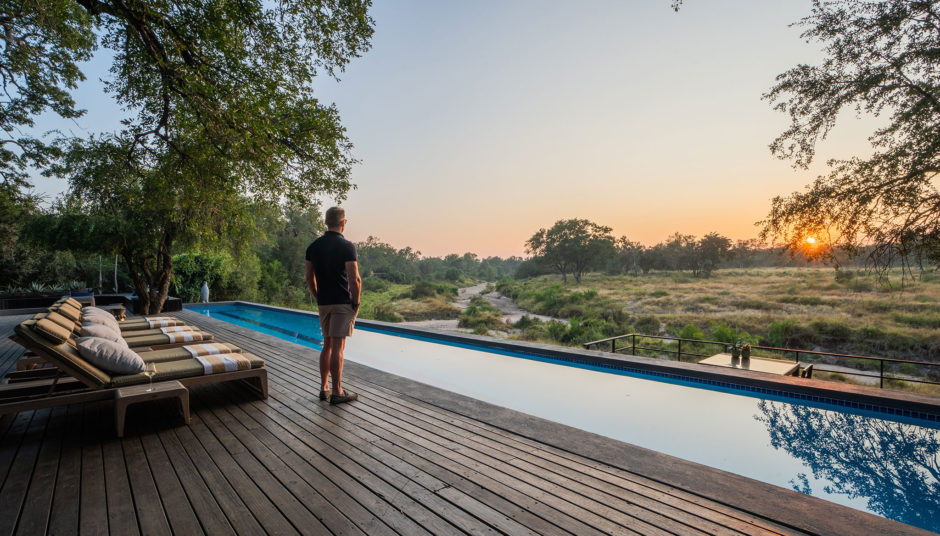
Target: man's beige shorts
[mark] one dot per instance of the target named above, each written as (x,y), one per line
(337,320)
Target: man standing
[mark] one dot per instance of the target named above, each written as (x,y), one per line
(333,279)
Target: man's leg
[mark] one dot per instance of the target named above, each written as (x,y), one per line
(325,362)
(337,345)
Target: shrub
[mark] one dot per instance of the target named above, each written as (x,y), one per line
(374,284)
(691,331)
(658,293)
(724,332)
(780,331)
(647,324)
(385,312)
(422,289)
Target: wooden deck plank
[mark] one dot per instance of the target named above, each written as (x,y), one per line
(394,509)
(311,387)
(63,517)
(427,484)
(340,512)
(515,483)
(180,514)
(205,449)
(611,505)
(93,503)
(303,513)
(34,518)
(151,516)
(427,460)
(391,463)
(16,485)
(202,499)
(122,518)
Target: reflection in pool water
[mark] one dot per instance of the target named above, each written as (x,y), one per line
(894,466)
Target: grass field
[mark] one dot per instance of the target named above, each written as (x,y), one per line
(846,311)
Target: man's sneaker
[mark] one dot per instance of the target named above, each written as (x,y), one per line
(339,399)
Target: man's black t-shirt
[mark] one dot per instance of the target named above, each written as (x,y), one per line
(329,255)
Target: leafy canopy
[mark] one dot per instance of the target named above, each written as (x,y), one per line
(42,44)
(572,246)
(223,117)
(882,59)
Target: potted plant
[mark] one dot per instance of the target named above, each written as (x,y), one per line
(745,351)
(735,350)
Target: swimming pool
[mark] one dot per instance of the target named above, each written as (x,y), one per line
(883,464)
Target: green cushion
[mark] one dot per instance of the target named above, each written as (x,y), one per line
(175,370)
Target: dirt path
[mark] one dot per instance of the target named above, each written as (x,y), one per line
(511,311)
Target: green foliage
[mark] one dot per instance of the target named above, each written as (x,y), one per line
(192,269)
(691,331)
(426,289)
(179,173)
(723,332)
(481,316)
(573,246)
(374,284)
(658,293)
(43,44)
(385,312)
(880,58)
(779,332)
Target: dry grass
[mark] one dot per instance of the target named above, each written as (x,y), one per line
(854,313)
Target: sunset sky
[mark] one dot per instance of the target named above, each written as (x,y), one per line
(477,123)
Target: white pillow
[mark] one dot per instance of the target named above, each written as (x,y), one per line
(110,356)
(101,317)
(101,331)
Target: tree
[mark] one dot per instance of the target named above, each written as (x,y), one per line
(628,256)
(572,246)
(225,116)
(42,45)
(710,251)
(881,59)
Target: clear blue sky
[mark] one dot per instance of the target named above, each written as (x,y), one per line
(479,122)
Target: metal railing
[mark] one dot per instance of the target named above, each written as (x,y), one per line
(866,365)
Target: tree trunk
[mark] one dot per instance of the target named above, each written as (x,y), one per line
(152,283)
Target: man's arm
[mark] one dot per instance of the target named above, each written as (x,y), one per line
(355,282)
(311,280)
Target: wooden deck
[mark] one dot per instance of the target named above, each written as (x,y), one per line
(387,464)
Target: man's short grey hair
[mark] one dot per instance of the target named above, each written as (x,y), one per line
(335,216)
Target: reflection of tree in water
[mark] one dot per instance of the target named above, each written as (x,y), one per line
(892,465)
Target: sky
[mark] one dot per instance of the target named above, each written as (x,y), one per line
(476,123)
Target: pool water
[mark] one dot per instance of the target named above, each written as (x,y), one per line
(869,461)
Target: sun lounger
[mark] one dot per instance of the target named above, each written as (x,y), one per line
(159,337)
(87,382)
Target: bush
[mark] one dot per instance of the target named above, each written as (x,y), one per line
(780,331)
(647,324)
(723,332)
(385,313)
(658,293)
(374,284)
(691,331)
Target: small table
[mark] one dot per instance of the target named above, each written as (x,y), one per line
(759,364)
(125,396)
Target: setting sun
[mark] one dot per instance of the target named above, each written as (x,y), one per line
(811,240)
